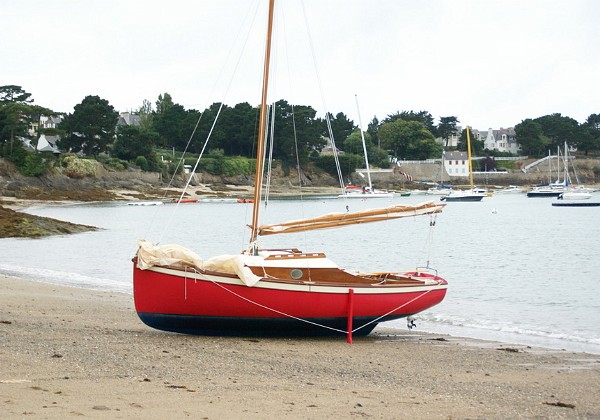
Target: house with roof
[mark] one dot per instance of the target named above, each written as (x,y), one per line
(48,144)
(128,118)
(456,163)
(503,140)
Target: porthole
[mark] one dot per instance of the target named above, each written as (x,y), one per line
(296,274)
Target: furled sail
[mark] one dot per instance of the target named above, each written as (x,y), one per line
(332,220)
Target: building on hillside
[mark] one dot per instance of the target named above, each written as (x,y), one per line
(50,122)
(48,144)
(328,149)
(502,140)
(128,118)
(456,163)
(452,140)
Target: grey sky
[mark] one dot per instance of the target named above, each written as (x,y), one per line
(491,63)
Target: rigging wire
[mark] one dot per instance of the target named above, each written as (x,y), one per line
(327,113)
(225,95)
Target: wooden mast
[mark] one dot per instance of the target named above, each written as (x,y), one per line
(469,156)
(262,128)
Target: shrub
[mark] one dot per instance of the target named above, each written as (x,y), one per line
(79,168)
(142,162)
(33,166)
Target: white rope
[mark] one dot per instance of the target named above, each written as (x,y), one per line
(306,320)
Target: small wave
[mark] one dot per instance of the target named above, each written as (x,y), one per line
(64,278)
(518,334)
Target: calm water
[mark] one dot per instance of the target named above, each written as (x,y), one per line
(520,270)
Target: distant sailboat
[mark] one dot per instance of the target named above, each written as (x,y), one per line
(353,191)
(467,195)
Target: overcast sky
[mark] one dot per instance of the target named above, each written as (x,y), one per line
(491,63)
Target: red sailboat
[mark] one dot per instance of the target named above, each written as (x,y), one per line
(278,291)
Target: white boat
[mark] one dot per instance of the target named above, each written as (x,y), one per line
(438,191)
(352,191)
(574,194)
(145,203)
(553,189)
(511,189)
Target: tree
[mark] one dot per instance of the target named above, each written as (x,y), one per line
(90,128)
(590,139)
(297,133)
(132,142)
(476,145)
(560,129)
(241,130)
(408,140)
(173,126)
(14,94)
(446,128)
(14,109)
(353,143)
(145,113)
(15,115)
(163,103)
(372,128)
(340,125)
(530,136)
(423,117)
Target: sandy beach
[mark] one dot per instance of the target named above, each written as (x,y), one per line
(67,352)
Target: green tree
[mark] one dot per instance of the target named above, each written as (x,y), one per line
(560,129)
(408,140)
(14,112)
(90,128)
(376,156)
(590,139)
(145,113)
(353,143)
(446,128)
(163,103)
(296,133)
(132,142)
(340,125)
(175,126)
(372,128)
(241,130)
(530,136)
(348,164)
(14,94)
(423,117)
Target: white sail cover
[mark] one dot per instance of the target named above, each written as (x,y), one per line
(332,220)
(171,255)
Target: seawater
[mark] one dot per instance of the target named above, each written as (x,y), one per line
(519,270)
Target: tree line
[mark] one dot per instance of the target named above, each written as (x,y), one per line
(91,130)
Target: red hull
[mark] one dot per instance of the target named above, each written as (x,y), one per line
(188,305)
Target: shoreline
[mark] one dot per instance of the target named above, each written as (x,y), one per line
(70,351)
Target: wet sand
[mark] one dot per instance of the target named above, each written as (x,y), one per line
(67,352)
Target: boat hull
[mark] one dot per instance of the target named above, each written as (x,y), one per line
(449,198)
(543,194)
(575,204)
(204,304)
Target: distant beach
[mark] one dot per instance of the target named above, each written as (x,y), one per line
(75,352)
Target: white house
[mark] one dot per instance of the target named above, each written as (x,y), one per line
(456,163)
(48,144)
(503,140)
